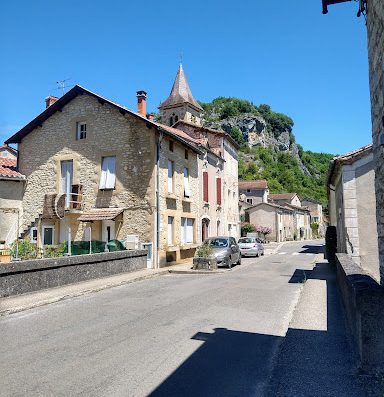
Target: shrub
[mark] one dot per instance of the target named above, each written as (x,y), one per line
(23,249)
(247,228)
(205,251)
(264,230)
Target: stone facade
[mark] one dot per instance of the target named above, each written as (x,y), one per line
(352,208)
(375,28)
(136,143)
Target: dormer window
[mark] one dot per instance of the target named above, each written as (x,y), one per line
(171,121)
(81,131)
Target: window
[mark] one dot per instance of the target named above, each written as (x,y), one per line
(81,131)
(170,176)
(108,173)
(218,191)
(186,231)
(171,146)
(205,186)
(170,230)
(186,154)
(171,121)
(250,201)
(187,190)
(33,235)
(248,190)
(176,118)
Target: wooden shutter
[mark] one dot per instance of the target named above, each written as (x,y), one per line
(205,186)
(218,190)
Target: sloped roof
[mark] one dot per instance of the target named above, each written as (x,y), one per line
(180,93)
(8,169)
(282,196)
(9,148)
(210,130)
(100,214)
(281,207)
(78,90)
(256,184)
(296,207)
(348,158)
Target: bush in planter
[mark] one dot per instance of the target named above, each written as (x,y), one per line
(246,228)
(264,230)
(205,251)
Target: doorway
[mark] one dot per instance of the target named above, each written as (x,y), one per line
(107,231)
(204,229)
(67,180)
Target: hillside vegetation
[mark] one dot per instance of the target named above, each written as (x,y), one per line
(268,147)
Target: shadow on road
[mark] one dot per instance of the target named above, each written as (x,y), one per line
(310,362)
(312,249)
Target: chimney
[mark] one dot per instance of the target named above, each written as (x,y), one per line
(50,100)
(142,103)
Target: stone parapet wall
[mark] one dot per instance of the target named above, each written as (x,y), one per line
(33,275)
(363,300)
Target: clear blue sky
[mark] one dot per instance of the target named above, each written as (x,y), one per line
(283,53)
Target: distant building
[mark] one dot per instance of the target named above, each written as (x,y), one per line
(351,195)
(316,212)
(254,192)
(11,195)
(284,198)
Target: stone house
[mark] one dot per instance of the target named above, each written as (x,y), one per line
(316,214)
(254,192)
(218,163)
(11,194)
(285,198)
(8,152)
(351,196)
(279,218)
(106,173)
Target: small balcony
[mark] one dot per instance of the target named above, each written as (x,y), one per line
(56,204)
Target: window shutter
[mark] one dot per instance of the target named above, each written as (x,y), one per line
(104,170)
(189,231)
(111,173)
(218,190)
(187,191)
(170,176)
(205,186)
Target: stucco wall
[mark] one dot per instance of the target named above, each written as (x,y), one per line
(264,216)
(175,204)
(11,194)
(109,133)
(366,205)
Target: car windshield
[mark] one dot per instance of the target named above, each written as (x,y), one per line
(246,240)
(217,242)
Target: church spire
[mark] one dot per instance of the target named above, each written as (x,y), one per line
(180,93)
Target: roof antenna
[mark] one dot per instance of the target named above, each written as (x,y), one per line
(61,85)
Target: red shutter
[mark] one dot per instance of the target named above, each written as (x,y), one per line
(218,190)
(205,186)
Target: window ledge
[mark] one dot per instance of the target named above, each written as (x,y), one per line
(170,196)
(188,246)
(187,199)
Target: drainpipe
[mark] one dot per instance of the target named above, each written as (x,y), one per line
(158,146)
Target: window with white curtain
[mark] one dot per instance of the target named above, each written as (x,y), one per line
(187,190)
(108,173)
(170,230)
(186,231)
(170,176)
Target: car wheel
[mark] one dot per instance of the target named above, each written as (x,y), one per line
(258,254)
(239,261)
(229,263)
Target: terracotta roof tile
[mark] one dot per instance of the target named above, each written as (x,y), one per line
(282,196)
(8,168)
(256,184)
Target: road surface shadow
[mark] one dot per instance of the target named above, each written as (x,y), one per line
(305,362)
(312,249)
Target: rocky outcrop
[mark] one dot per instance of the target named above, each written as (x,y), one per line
(256,131)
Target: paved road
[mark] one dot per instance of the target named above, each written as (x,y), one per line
(175,335)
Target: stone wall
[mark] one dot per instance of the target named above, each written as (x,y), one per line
(375,28)
(109,133)
(33,275)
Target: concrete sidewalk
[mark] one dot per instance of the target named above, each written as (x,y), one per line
(315,357)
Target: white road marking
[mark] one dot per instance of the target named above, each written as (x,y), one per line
(308,254)
(296,253)
(282,253)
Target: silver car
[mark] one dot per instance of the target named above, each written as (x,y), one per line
(251,246)
(225,250)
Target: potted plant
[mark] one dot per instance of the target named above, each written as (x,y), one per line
(204,258)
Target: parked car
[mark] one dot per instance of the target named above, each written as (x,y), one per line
(225,250)
(251,246)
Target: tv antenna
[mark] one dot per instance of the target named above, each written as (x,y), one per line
(61,85)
